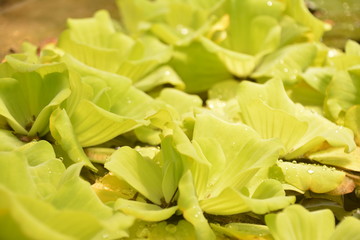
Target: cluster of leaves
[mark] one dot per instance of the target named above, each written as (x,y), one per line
(192,119)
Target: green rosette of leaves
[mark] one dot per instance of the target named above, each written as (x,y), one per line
(41,198)
(99,43)
(219,174)
(251,39)
(175,22)
(31,89)
(103,65)
(342,98)
(101,107)
(268,109)
(303,133)
(226,39)
(179,23)
(295,222)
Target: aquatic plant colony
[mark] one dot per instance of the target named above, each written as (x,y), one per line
(189,119)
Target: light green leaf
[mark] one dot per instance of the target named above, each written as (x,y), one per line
(115,106)
(15,173)
(136,14)
(23,217)
(352,121)
(45,169)
(189,205)
(222,100)
(135,104)
(244,231)
(197,67)
(298,10)
(318,77)
(161,76)
(349,59)
(234,156)
(27,100)
(30,62)
(337,157)
(37,152)
(96,42)
(142,174)
(292,32)
(46,176)
(347,229)
(311,128)
(109,188)
(268,196)
(182,102)
(116,85)
(25,175)
(228,202)
(286,63)
(74,193)
(178,231)
(318,179)
(148,134)
(304,94)
(102,125)
(248,25)
(274,123)
(144,211)
(224,90)
(172,168)
(352,48)
(343,93)
(147,53)
(116,227)
(174,22)
(222,165)
(227,110)
(63,132)
(9,142)
(238,64)
(296,223)
(46,200)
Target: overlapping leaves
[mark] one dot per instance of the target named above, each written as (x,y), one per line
(110,104)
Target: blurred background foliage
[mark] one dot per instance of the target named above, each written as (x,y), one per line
(41,21)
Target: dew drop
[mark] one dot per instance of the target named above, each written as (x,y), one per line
(269,3)
(310,171)
(183,30)
(332,53)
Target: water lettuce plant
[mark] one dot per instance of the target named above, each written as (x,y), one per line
(187,119)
